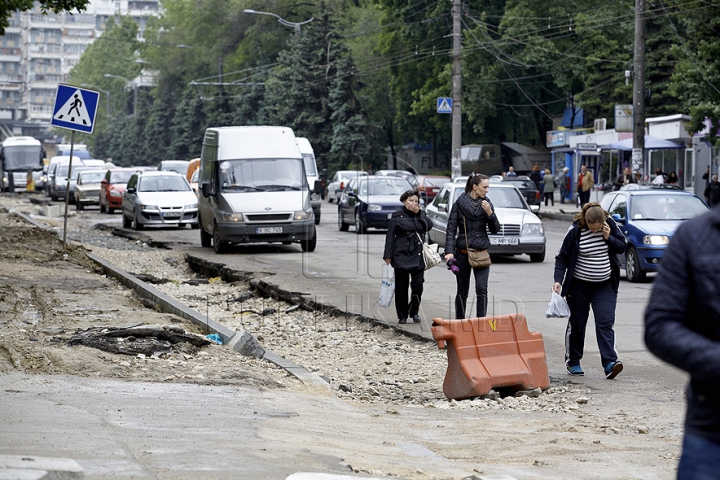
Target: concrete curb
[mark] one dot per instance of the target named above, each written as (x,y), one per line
(170,305)
(27,467)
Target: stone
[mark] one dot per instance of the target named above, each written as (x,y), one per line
(245,344)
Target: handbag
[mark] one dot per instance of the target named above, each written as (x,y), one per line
(476,258)
(430,254)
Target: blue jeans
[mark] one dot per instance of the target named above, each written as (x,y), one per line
(463,286)
(602,297)
(700,459)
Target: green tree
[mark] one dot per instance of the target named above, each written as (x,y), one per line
(188,126)
(8,7)
(349,124)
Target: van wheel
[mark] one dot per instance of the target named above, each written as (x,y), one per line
(309,244)
(127,223)
(329,199)
(317,219)
(632,266)
(218,245)
(205,238)
(79,206)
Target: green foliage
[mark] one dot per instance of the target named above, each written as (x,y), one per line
(8,7)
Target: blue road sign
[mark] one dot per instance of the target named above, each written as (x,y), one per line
(75,108)
(444,105)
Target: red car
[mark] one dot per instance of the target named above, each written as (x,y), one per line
(430,184)
(112,188)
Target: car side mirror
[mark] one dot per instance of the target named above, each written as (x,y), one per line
(206,189)
(442,207)
(351,194)
(617,218)
(130,190)
(534,208)
(318,187)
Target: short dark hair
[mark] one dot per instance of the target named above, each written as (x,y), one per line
(474,179)
(409,193)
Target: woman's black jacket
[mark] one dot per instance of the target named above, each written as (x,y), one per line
(478,222)
(402,245)
(566,257)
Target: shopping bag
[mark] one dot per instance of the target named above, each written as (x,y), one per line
(558,307)
(387,288)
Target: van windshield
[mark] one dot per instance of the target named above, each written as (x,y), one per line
(310,167)
(22,157)
(262,174)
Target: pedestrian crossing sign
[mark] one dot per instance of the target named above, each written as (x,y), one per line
(444,105)
(75,108)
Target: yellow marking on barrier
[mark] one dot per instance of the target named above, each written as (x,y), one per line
(493,324)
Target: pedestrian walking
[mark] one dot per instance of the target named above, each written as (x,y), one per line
(587,274)
(682,327)
(549,188)
(584,185)
(712,192)
(535,176)
(471,216)
(403,250)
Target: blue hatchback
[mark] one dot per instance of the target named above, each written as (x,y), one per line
(649,216)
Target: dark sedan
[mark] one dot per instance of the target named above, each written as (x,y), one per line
(368,202)
(528,189)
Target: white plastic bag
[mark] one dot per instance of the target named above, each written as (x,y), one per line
(387,288)
(558,307)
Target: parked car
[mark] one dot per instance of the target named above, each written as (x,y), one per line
(430,185)
(527,189)
(339,182)
(649,216)
(179,166)
(112,188)
(521,231)
(369,202)
(395,173)
(87,188)
(159,198)
(194,181)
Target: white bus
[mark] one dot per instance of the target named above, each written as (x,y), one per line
(19,155)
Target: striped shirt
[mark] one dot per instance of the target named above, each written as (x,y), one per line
(593,262)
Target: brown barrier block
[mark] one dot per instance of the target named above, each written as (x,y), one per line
(490,352)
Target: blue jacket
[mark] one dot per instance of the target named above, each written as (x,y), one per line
(566,257)
(478,222)
(682,320)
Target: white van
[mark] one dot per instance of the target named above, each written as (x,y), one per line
(311,172)
(17,156)
(253,189)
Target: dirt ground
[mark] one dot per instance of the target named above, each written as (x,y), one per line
(49,295)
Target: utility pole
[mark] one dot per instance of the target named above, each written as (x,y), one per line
(456,90)
(639,89)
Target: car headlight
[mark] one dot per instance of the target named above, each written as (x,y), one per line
(302,215)
(191,206)
(533,229)
(148,208)
(656,239)
(115,193)
(374,208)
(229,217)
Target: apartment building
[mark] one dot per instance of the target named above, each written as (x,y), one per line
(38,51)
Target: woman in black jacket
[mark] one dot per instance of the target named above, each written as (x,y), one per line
(474,212)
(403,250)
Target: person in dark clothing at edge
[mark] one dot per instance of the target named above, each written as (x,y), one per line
(403,250)
(587,273)
(472,211)
(682,327)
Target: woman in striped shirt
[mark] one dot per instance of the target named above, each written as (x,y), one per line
(587,273)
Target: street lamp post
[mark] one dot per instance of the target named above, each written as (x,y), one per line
(295,25)
(107,108)
(128,83)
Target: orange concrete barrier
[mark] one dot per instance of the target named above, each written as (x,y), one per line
(490,352)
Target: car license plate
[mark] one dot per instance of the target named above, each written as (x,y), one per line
(503,241)
(269,230)
(171,214)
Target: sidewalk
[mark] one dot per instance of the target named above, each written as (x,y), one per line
(559,211)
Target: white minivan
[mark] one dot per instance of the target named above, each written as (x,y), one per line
(311,172)
(253,189)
